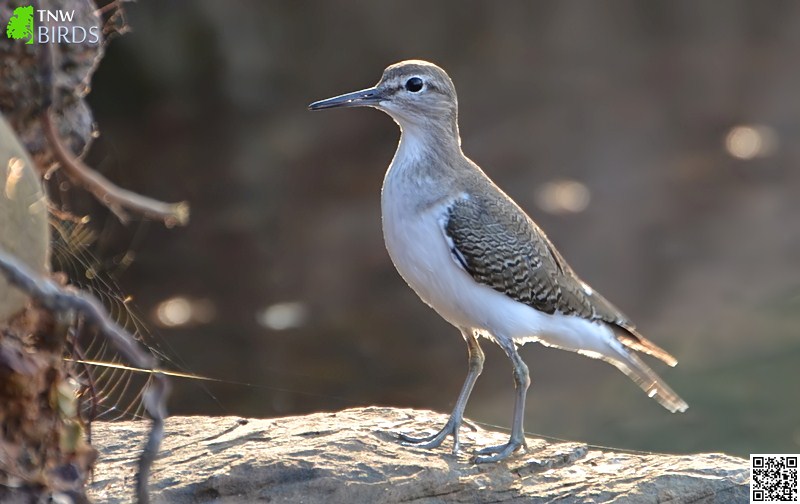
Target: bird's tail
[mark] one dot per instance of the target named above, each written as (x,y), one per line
(630,364)
(629,337)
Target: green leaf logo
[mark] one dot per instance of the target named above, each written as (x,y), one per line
(20,26)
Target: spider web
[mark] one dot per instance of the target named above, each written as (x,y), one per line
(110,389)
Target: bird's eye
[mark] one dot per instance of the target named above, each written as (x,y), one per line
(414,84)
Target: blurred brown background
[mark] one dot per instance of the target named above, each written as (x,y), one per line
(655,142)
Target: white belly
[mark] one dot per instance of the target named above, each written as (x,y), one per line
(420,252)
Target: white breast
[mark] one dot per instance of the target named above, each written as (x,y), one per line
(420,253)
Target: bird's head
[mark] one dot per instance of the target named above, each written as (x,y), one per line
(416,93)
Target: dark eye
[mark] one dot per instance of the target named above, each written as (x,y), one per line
(414,84)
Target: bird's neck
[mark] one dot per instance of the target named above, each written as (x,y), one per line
(436,141)
(425,167)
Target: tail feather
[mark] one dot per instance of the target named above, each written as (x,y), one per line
(647,379)
(635,341)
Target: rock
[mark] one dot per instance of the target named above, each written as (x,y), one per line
(353,456)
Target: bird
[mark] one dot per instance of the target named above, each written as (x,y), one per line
(474,256)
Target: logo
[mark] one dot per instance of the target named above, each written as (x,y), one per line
(49,27)
(20,26)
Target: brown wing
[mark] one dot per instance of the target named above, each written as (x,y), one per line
(501,247)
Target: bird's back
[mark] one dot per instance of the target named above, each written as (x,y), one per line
(503,248)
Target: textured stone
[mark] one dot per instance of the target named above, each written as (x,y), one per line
(353,456)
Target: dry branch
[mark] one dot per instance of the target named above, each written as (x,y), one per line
(113,197)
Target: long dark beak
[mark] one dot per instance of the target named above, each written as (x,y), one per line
(363,98)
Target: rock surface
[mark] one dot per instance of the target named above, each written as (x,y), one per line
(352,456)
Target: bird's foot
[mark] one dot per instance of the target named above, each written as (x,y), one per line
(499,452)
(436,439)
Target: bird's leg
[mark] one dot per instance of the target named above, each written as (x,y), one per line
(521,382)
(453,424)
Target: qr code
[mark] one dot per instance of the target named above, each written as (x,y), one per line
(774,478)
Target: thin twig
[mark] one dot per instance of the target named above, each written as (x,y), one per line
(115,198)
(155,400)
(70,302)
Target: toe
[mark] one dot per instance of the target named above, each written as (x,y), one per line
(491,449)
(405,438)
(456,443)
(434,440)
(497,453)
(431,443)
